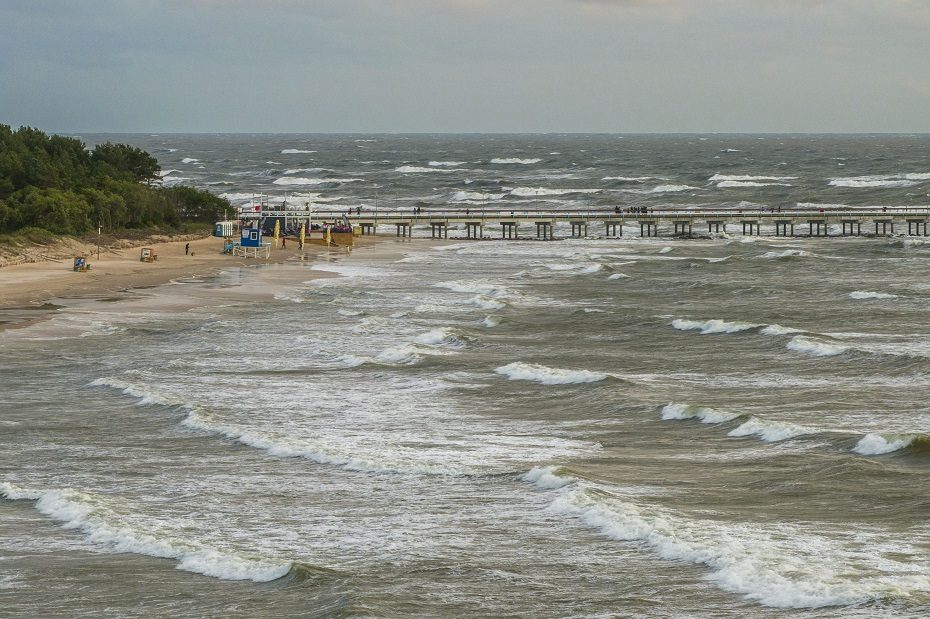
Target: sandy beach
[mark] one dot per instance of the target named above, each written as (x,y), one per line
(29,288)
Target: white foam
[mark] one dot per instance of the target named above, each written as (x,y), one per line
(190,160)
(547,375)
(112,528)
(146,397)
(300,180)
(441,336)
(670,188)
(403,354)
(411,169)
(718,178)
(880,180)
(862,294)
(769,431)
(677,410)
(508,160)
(665,250)
(307,170)
(810,346)
(486,303)
(877,444)
(491,321)
(779,330)
(482,287)
(530,192)
(475,196)
(787,253)
(618,276)
(629,179)
(577,268)
(446,164)
(547,478)
(738,184)
(779,565)
(296,151)
(707,327)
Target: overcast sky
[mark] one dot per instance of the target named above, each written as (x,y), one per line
(466,65)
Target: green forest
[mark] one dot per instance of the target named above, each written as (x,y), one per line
(55,183)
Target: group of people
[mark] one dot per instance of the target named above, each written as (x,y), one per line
(635,210)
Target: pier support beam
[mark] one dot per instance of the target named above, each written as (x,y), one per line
(404,229)
(852,227)
(916,223)
(508,229)
(579,229)
(544,230)
(439,230)
(614,228)
(682,228)
(714,226)
(752,226)
(782,227)
(885,224)
(821,227)
(474,230)
(368,228)
(649,228)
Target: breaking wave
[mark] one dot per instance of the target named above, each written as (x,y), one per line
(788,253)
(774,329)
(547,375)
(442,336)
(296,151)
(446,164)
(861,294)
(878,444)
(817,348)
(663,189)
(412,169)
(880,181)
(744,178)
(107,525)
(580,268)
(780,565)
(769,431)
(530,192)
(475,196)
(677,410)
(506,160)
(738,184)
(707,327)
(317,182)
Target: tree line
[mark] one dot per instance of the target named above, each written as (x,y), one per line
(56,183)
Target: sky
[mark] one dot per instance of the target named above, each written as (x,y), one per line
(473,66)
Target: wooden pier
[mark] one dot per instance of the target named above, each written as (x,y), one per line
(541,224)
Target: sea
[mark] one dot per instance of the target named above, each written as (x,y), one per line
(724,426)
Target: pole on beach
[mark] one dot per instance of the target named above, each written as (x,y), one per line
(99,228)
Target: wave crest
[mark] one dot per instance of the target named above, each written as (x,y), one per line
(713,326)
(817,348)
(547,375)
(104,525)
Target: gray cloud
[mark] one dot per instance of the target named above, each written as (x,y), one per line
(465,65)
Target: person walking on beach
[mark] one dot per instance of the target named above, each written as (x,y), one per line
(187,249)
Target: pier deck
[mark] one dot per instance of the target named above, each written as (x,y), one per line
(540,224)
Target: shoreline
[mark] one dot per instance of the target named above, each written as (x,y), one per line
(34,292)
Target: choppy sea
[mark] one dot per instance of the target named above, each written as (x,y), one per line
(735,426)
